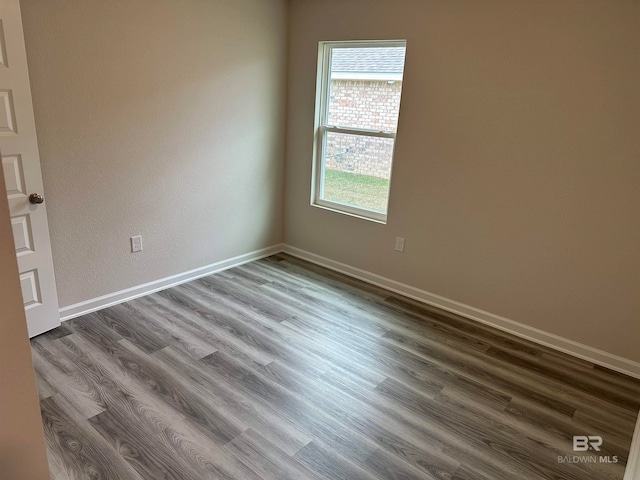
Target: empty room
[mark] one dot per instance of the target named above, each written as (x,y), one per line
(320,239)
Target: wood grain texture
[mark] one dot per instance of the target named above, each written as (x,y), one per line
(281,369)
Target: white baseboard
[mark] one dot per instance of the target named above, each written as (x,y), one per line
(541,337)
(98,303)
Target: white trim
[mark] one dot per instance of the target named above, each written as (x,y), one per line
(364,132)
(585,352)
(370,215)
(366,43)
(368,76)
(541,337)
(104,301)
(632,472)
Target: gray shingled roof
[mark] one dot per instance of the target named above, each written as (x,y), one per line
(368,60)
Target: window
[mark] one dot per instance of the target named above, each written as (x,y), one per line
(359,89)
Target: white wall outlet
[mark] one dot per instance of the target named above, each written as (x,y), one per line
(399,244)
(136,244)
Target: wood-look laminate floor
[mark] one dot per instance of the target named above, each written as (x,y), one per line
(282,370)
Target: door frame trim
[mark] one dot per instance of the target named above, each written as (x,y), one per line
(632,471)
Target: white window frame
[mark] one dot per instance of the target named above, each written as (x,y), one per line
(322,128)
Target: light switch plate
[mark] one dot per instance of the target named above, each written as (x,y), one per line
(136,244)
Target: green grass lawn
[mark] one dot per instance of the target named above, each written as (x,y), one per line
(358,190)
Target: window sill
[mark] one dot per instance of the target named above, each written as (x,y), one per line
(337,208)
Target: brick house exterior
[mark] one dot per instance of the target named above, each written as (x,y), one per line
(351,104)
(364,93)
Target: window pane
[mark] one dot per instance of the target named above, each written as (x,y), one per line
(357,169)
(365,87)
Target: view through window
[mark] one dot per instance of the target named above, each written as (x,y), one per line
(360,85)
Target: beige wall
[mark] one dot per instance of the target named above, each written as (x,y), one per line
(22,450)
(516,180)
(161,118)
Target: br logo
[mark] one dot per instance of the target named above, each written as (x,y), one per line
(582,443)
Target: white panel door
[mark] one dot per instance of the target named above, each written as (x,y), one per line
(22,176)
